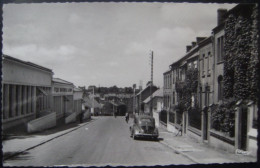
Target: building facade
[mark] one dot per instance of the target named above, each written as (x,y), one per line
(26,91)
(62,92)
(216,83)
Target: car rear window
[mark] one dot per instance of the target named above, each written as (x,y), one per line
(146,120)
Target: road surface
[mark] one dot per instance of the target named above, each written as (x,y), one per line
(106,141)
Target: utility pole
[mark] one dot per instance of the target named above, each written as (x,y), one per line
(151,84)
(134,86)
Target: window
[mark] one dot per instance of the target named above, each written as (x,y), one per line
(195,65)
(56,89)
(16,99)
(220,49)
(202,66)
(189,65)
(173,97)
(208,66)
(207,90)
(220,87)
(10,100)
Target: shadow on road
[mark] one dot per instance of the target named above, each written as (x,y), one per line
(16,156)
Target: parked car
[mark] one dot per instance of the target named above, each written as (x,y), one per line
(144,126)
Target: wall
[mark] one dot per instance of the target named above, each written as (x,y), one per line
(18,73)
(42,123)
(77,95)
(70,118)
(18,121)
(218,68)
(220,144)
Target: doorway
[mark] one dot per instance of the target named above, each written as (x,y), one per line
(242,125)
(205,124)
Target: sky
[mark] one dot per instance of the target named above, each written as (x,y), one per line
(106,43)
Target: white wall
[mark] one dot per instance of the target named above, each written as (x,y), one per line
(18,73)
(70,118)
(77,95)
(42,123)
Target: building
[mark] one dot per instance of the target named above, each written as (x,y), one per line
(236,65)
(205,85)
(214,85)
(26,91)
(77,100)
(141,96)
(91,103)
(62,92)
(157,105)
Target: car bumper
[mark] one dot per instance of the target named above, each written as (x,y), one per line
(146,135)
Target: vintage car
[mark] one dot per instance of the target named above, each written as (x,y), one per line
(144,126)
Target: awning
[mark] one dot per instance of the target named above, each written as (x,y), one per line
(66,98)
(42,91)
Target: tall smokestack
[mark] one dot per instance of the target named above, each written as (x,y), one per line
(221,13)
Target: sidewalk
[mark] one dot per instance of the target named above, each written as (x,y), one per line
(18,141)
(198,152)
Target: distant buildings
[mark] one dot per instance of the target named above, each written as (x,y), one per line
(212,88)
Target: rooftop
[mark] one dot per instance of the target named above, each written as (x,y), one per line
(7,57)
(58,80)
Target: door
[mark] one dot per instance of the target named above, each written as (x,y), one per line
(205,124)
(243,128)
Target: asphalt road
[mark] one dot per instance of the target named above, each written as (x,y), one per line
(105,141)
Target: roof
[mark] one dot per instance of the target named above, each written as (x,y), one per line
(157,93)
(58,80)
(116,103)
(187,55)
(145,89)
(166,72)
(77,89)
(27,63)
(89,102)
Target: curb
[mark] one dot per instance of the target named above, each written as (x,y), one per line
(180,152)
(41,143)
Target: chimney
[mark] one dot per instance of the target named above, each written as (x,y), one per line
(193,43)
(221,13)
(199,39)
(188,48)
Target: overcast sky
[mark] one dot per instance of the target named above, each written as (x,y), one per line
(105,44)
